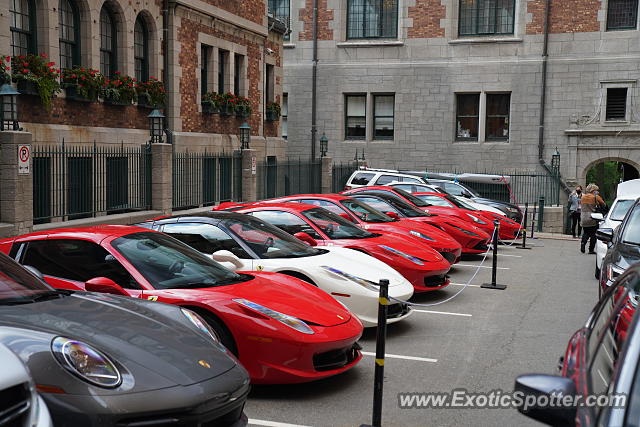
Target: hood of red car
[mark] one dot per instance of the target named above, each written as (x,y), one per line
(291,296)
(401,242)
(405,226)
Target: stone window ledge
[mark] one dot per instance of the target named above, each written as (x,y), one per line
(474,40)
(608,131)
(371,43)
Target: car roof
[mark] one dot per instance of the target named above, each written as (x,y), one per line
(385,172)
(291,207)
(212,217)
(315,196)
(629,189)
(95,233)
(368,188)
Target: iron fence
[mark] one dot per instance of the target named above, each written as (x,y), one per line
(520,187)
(284,178)
(80,181)
(204,179)
(340,175)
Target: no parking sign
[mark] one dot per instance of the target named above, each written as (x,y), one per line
(24,159)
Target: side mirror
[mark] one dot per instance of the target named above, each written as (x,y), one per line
(301,235)
(104,285)
(531,387)
(604,234)
(345,216)
(392,215)
(227,256)
(597,216)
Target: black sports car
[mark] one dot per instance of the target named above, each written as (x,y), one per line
(105,360)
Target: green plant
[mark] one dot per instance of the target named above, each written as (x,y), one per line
(212,99)
(86,81)
(121,89)
(152,91)
(5,69)
(243,106)
(38,71)
(274,108)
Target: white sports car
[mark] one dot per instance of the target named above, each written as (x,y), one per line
(244,243)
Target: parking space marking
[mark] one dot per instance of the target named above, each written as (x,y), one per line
(512,256)
(272,423)
(462,284)
(443,312)
(397,356)
(480,266)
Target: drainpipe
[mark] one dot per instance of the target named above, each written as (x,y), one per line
(314,81)
(543,99)
(165,64)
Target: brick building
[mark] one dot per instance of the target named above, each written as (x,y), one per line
(444,84)
(199,46)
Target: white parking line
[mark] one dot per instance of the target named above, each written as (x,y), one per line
(397,356)
(272,423)
(479,266)
(512,256)
(462,284)
(442,312)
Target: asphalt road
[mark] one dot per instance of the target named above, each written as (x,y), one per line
(485,339)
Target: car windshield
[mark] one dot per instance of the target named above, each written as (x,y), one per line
(268,241)
(17,285)
(393,204)
(435,200)
(460,203)
(620,210)
(365,212)
(410,197)
(631,233)
(334,226)
(168,263)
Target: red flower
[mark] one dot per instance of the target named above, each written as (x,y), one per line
(44,55)
(8,68)
(25,64)
(117,73)
(25,71)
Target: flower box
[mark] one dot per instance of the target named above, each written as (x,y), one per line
(209,108)
(74,94)
(272,116)
(26,87)
(226,109)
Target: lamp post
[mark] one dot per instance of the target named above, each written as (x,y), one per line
(156,126)
(245,136)
(324,145)
(8,108)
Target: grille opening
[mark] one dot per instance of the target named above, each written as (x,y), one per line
(15,402)
(449,256)
(335,359)
(436,281)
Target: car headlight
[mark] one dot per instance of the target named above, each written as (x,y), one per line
(360,281)
(411,258)
(613,271)
(476,219)
(421,235)
(290,321)
(200,323)
(467,232)
(86,362)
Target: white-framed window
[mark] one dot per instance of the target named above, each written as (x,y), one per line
(483,116)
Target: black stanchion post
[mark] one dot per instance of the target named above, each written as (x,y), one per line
(494,269)
(381,336)
(540,213)
(524,228)
(533,220)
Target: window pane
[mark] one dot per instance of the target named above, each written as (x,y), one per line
(383,120)
(205,238)
(498,115)
(479,17)
(622,14)
(372,19)
(21,31)
(356,116)
(67,27)
(280,10)
(356,127)
(616,103)
(384,105)
(468,115)
(141,50)
(356,105)
(107,42)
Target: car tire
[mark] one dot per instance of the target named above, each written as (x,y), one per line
(222,332)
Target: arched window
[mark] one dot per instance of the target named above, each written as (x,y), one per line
(69,29)
(141,49)
(23,27)
(108,42)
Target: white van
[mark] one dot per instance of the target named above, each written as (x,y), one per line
(370,176)
(628,192)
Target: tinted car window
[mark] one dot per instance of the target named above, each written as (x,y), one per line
(378,204)
(406,187)
(436,201)
(413,180)
(286,221)
(362,178)
(334,226)
(365,212)
(385,179)
(454,189)
(16,284)
(206,238)
(620,209)
(631,232)
(77,260)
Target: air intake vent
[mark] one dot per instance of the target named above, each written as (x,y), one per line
(616,104)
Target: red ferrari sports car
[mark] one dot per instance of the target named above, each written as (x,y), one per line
(508,229)
(282,329)
(425,268)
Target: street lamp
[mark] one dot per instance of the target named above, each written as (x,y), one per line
(8,108)
(156,126)
(245,136)
(324,145)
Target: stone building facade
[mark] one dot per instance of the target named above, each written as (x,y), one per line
(457,84)
(242,45)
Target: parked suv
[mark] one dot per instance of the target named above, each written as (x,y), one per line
(623,244)
(364,177)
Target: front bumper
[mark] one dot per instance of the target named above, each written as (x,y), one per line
(217,401)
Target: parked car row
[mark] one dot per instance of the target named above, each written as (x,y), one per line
(170,320)
(603,357)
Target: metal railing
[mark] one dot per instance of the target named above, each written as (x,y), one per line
(204,179)
(340,175)
(284,178)
(88,180)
